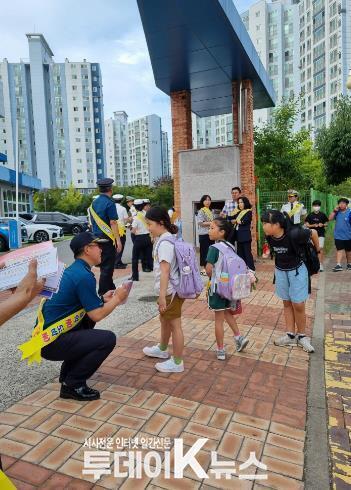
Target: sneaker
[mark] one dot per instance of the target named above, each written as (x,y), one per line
(287,339)
(170,366)
(241,343)
(337,268)
(348,267)
(220,354)
(305,343)
(321,268)
(155,351)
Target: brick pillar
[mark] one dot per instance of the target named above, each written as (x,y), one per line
(247,165)
(181,135)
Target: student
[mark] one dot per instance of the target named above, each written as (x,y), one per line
(294,208)
(342,233)
(291,276)
(243,232)
(204,218)
(142,245)
(122,222)
(169,304)
(220,230)
(317,220)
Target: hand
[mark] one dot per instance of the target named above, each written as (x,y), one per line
(119,246)
(162,304)
(121,293)
(30,285)
(238,222)
(321,225)
(109,295)
(336,209)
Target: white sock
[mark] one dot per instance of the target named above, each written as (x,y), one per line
(237,337)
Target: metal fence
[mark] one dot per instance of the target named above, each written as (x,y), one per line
(275,199)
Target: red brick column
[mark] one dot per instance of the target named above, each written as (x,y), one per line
(247,165)
(181,135)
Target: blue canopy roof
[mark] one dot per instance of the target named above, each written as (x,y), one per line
(202,46)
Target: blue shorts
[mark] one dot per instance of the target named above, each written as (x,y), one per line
(292,287)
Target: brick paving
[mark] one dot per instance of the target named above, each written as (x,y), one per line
(253,401)
(338,374)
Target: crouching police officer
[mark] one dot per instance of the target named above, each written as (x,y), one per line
(65,325)
(104,219)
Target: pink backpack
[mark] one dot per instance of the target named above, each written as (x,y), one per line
(190,282)
(232,279)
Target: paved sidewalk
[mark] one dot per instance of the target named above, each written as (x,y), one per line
(255,401)
(338,374)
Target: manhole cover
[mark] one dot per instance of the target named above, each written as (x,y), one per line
(148,299)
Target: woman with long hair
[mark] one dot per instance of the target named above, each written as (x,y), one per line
(204,219)
(243,231)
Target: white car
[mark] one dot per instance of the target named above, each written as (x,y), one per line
(42,232)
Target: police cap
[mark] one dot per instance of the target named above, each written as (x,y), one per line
(105,184)
(117,197)
(138,202)
(129,198)
(83,239)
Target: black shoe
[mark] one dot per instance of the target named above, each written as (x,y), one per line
(132,279)
(121,266)
(82,393)
(147,270)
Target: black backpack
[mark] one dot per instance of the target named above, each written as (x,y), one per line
(307,253)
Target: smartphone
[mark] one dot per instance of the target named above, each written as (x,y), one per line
(127,285)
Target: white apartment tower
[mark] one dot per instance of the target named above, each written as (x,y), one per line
(325,54)
(54,113)
(212,131)
(117,148)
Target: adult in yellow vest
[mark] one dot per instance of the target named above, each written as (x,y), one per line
(65,326)
(122,227)
(142,246)
(104,217)
(293,208)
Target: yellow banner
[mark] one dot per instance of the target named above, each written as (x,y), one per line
(102,225)
(242,214)
(5,482)
(31,350)
(294,210)
(140,216)
(208,213)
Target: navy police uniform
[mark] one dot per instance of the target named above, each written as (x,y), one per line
(105,208)
(82,349)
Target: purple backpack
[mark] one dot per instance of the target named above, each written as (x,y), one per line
(190,282)
(232,279)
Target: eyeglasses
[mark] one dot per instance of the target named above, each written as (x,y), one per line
(292,195)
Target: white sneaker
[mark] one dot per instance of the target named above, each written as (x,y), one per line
(321,269)
(155,351)
(305,343)
(220,354)
(170,366)
(285,340)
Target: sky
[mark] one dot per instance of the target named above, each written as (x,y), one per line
(105,31)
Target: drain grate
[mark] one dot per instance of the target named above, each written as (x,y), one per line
(148,299)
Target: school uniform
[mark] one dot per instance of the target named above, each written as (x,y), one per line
(244,239)
(142,246)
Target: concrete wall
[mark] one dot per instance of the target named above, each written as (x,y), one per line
(212,171)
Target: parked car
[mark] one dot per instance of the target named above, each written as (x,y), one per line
(4,234)
(70,225)
(41,232)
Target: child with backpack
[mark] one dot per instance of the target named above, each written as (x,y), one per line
(176,278)
(222,282)
(292,281)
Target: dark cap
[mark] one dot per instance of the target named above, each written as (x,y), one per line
(83,239)
(104,184)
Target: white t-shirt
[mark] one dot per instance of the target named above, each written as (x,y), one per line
(122,213)
(165,252)
(296,218)
(140,226)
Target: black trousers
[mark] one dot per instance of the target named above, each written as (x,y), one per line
(107,267)
(205,243)
(82,351)
(118,259)
(244,251)
(142,250)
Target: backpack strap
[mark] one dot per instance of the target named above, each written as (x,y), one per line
(170,239)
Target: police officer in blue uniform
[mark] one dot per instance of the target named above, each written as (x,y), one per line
(83,348)
(105,208)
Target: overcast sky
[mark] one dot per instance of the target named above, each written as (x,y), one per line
(104,31)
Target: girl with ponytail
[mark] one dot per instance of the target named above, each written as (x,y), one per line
(169,303)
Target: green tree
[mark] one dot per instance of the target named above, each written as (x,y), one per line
(71,201)
(285,158)
(334,144)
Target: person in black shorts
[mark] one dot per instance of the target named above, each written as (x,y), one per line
(317,220)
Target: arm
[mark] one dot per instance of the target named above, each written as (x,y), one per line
(315,240)
(113,301)
(201,219)
(165,269)
(333,214)
(27,289)
(209,269)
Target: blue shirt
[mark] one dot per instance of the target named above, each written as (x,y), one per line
(106,209)
(77,290)
(342,230)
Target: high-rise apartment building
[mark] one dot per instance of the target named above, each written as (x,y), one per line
(325,58)
(212,131)
(54,113)
(137,151)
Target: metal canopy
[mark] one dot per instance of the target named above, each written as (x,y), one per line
(202,46)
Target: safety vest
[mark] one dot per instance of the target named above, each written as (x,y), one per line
(31,349)
(104,227)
